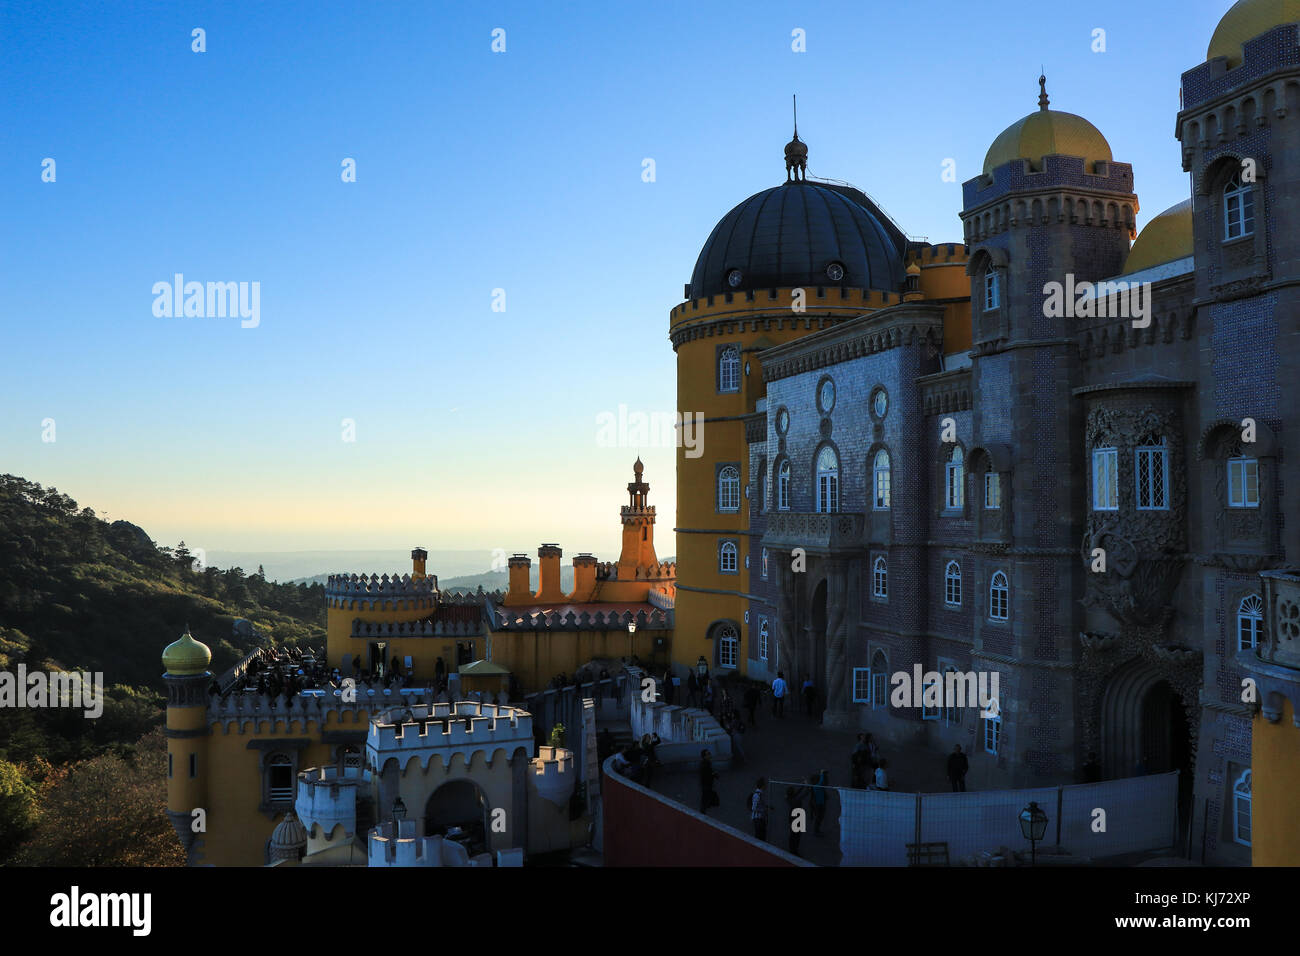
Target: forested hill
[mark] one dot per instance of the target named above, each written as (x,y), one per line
(79,593)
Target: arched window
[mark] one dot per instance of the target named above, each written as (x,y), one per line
(1250,622)
(763,634)
(952,584)
(1241,809)
(1152,471)
(728,645)
(1238,208)
(729,488)
(880,471)
(783,486)
(729,369)
(880,577)
(999,597)
(954,495)
(727,557)
(828,481)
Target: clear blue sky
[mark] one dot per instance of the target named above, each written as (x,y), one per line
(475,171)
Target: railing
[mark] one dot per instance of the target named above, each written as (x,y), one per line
(840,532)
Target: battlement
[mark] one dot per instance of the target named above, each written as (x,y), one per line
(383,630)
(346,590)
(513,619)
(663,571)
(1276,50)
(464,726)
(954,253)
(781,300)
(1058,173)
(327,797)
(554,774)
(256,713)
(386,847)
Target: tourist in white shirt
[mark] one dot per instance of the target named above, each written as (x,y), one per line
(882,778)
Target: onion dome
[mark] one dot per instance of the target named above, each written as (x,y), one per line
(1166,238)
(1047,133)
(288,839)
(1246,20)
(186,656)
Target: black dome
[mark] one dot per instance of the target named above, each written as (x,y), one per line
(787,236)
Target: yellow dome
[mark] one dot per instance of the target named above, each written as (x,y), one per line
(1246,20)
(1048,133)
(1165,238)
(186,656)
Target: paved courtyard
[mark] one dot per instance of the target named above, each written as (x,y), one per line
(790,749)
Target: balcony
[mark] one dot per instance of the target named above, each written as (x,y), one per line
(843,533)
(1275,664)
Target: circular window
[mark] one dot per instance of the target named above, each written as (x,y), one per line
(826,395)
(835,272)
(735,277)
(880,403)
(782,421)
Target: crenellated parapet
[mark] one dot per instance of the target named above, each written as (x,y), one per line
(261,713)
(387,630)
(327,798)
(514,619)
(445,730)
(554,774)
(356,591)
(662,571)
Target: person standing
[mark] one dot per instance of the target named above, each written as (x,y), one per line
(957,767)
(708,796)
(758,808)
(778,694)
(819,782)
(882,778)
(809,695)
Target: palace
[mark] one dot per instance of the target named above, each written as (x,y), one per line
(952,453)
(917,461)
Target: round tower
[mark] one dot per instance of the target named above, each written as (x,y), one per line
(785,263)
(185,672)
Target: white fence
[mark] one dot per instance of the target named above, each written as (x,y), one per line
(1140,813)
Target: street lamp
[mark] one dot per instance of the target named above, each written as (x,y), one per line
(631,630)
(399,814)
(701,666)
(1033,824)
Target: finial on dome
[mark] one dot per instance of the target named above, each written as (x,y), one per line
(1042,92)
(638,468)
(796,152)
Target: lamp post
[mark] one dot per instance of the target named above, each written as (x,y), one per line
(1033,824)
(631,631)
(701,666)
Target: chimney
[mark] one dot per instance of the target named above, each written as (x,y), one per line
(418,557)
(584,578)
(521,589)
(549,575)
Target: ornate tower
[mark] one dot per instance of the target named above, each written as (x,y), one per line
(1050,212)
(785,263)
(186,674)
(638,528)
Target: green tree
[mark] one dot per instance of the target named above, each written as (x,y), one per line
(19,809)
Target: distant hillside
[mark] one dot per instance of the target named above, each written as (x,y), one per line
(80,593)
(297,566)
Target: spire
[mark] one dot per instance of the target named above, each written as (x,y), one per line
(1042,92)
(796,152)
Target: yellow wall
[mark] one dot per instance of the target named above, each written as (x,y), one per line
(1275,780)
(338,634)
(534,657)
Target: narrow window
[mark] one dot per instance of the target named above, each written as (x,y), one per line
(783,486)
(828,481)
(729,488)
(880,471)
(1241,810)
(727,558)
(1243,483)
(1238,208)
(952,584)
(992,491)
(955,480)
(729,369)
(1152,471)
(1105,479)
(880,578)
(1250,622)
(999,597)
(991,297)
